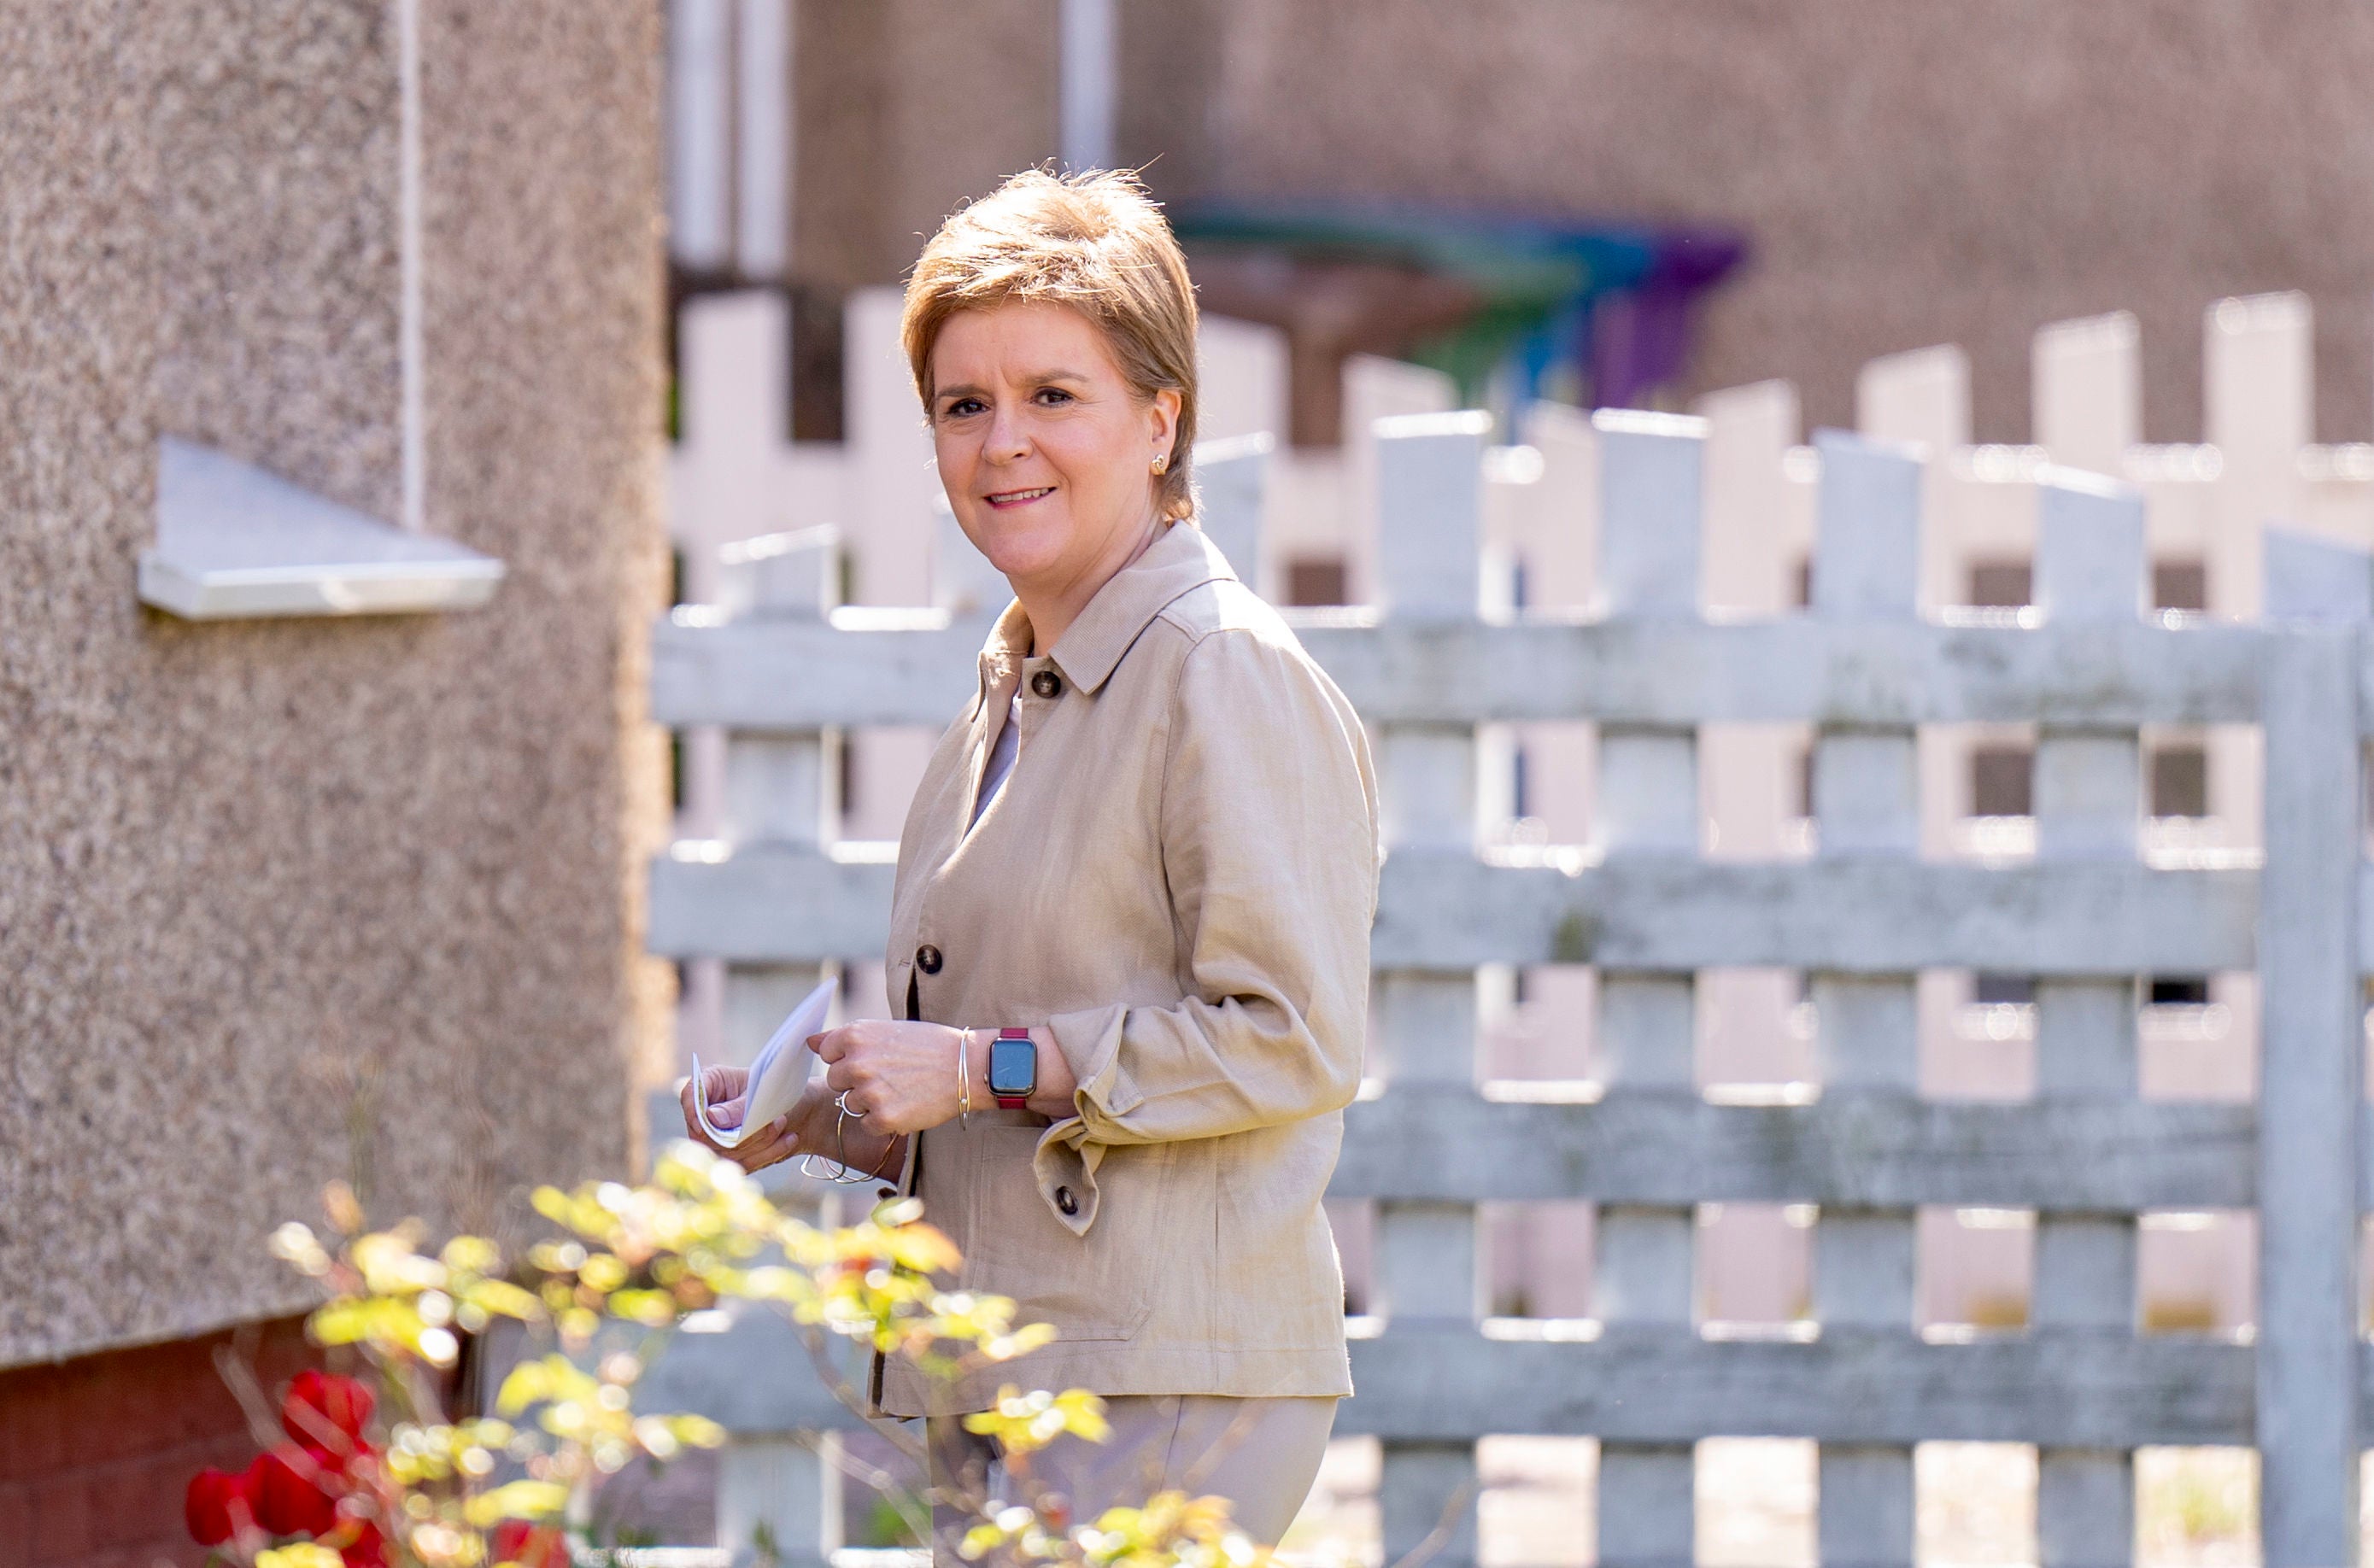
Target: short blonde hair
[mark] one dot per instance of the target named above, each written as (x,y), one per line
(1095,242)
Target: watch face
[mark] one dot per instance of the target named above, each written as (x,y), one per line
(1013,1067)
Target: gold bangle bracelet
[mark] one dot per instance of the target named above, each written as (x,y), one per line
(964,1078)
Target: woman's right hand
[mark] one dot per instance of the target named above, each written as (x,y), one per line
(725,1087)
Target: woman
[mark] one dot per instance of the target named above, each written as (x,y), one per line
(1130,924)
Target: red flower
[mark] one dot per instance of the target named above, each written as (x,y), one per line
(216,1505)
(530,1546)
(367,1549)
(296,1491)
(323,1406)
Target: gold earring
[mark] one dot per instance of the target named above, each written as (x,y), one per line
(1160,463)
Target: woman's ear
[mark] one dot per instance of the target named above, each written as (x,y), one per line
(1162,413)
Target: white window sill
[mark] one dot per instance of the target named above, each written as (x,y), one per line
(235,542)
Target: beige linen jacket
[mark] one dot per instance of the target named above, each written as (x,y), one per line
(1177,880)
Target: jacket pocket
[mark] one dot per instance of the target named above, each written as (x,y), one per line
(1098,1286)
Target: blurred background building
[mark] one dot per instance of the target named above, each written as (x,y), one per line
(1901,176)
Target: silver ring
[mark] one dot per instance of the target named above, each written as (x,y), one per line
(840,1103)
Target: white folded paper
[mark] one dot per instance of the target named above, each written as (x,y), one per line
(777,1077)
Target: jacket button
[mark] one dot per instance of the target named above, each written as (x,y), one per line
(927,959)
(1065,1201)
(1046,682)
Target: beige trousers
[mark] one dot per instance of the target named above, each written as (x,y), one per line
(1261,1455)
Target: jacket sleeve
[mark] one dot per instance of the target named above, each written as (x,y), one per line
(1269,849)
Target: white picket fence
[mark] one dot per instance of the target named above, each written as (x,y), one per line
(1862,916)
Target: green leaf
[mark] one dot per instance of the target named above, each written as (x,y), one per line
(529,1500)
(527,1384)
(654,1309)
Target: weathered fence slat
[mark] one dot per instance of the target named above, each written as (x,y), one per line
(781,793)
(753,1376)
(771,901)
(2090,570)
(1862,1388)
(1430,540)
(1230,478)
(1851,914)
(1441,907)
(1649,474)
(2311,1057)
(1638,1144)
(1866,805)
(870,666)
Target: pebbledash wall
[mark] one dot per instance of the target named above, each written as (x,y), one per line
(282,901)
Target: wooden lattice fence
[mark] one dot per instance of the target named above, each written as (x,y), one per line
(2088,917)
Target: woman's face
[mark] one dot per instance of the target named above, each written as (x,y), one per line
(1046,452)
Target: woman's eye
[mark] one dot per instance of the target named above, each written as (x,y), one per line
(1054,395)
(962,407)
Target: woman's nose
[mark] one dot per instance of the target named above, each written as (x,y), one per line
(1007,439)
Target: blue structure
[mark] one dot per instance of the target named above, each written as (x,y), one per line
(1609,304)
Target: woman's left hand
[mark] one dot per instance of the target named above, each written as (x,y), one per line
(899,1077)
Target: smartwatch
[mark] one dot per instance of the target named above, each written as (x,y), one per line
(1013,1069)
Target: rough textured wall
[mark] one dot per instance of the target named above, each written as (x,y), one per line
(286,901)
(1911,174)
(908,108)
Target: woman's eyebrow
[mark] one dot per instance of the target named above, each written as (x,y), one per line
(1029,378)
(1053,373)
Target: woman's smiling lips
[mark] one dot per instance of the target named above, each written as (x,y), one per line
(1018,497)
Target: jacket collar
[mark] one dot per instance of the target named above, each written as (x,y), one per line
(1091,647)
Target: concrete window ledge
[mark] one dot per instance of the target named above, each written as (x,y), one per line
(234,542)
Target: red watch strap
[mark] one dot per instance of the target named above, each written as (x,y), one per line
(1014,1102)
